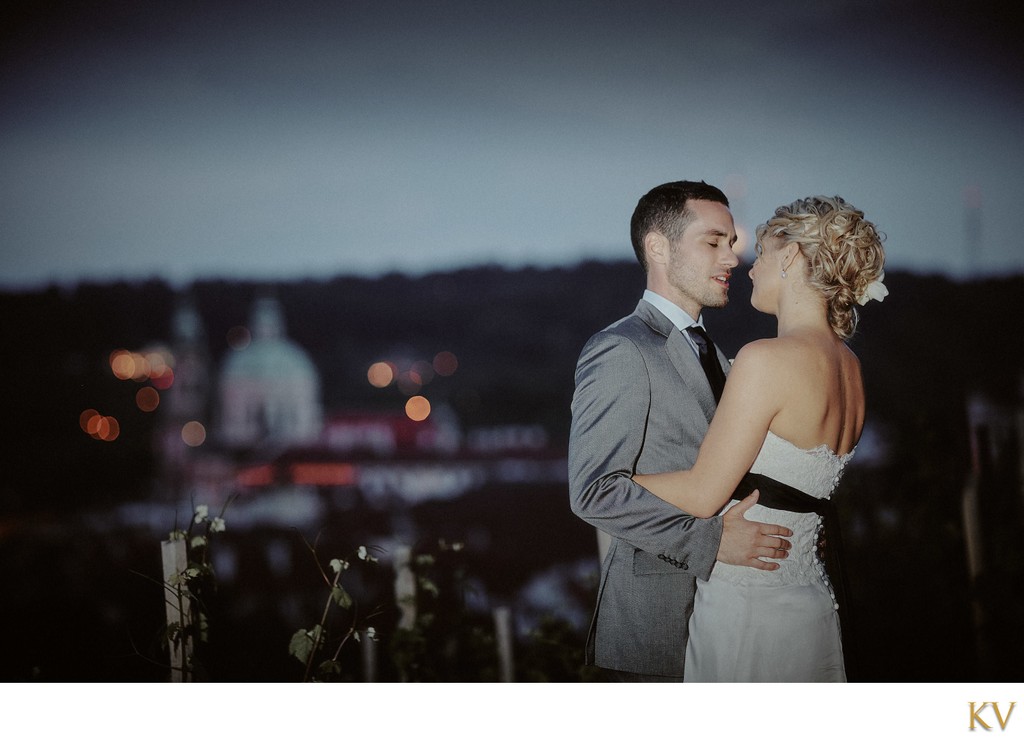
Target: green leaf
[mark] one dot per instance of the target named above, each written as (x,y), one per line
(303,641)
(341,597)
(328,669)
(300,645)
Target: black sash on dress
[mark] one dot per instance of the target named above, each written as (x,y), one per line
(775,494)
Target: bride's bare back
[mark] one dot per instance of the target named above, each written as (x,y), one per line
(822,398)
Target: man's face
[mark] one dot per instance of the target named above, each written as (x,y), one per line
(701,261)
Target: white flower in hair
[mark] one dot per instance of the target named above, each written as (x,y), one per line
(876,291)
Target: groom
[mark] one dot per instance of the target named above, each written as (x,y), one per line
(642,404)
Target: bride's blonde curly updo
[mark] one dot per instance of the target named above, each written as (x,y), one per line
(843,250)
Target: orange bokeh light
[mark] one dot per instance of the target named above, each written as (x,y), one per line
(107,429)
(381,374)
(94,425)
(85,419)
(417,408)
(141,367)
(98,426)
(193,434)
(122,364)
(147,399)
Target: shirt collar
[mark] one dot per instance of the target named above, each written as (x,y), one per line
(679,317)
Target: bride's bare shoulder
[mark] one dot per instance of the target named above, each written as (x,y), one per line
(775,358)
(763,351)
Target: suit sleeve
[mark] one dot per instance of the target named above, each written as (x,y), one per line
(610,410)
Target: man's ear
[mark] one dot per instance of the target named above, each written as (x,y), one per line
(656,247)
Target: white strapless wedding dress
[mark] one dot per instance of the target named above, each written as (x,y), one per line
(752,625)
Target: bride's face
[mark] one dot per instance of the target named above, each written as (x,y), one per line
(766,273)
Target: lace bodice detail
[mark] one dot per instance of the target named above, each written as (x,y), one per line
(817,472)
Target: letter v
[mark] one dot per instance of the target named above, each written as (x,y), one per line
(999,716)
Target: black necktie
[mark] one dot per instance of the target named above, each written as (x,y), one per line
(708,360)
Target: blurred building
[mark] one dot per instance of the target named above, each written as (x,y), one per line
(269,391)
(258,431)
(188,398)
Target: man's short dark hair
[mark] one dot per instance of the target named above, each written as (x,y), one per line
(665,209)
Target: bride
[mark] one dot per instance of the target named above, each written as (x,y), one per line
(788,423)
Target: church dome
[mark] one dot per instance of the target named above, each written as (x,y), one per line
(270,360)
(270,390)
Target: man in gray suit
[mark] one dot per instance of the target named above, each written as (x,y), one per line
(643,402)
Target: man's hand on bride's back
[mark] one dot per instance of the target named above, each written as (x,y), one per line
(746,542)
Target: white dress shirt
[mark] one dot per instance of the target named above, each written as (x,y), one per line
(679,317)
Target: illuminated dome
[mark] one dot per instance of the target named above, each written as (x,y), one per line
(270,390)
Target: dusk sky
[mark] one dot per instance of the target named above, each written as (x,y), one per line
(283,140)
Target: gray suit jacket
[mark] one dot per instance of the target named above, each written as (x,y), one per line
(642,405)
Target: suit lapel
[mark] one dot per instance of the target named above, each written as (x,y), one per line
(682,357)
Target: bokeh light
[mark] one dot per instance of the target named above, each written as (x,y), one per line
(122,364)
(158,362)
(417,408)
(742,242)
(423,370)
(94,424)
(193,434)
(239,338)
(164,380)
(381,374)
(445,364)
(102,428)
(147,399)
(140,367)
(110,429)
(86,417)
(157,365)
(409,383)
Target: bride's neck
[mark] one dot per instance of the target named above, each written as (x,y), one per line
(802,313)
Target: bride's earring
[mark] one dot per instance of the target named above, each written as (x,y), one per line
(783,274)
